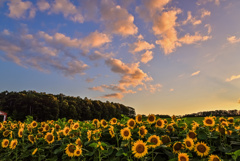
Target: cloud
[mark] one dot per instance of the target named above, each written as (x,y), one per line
(96,55)
(191,20)
(233,39)
(151,8)
(18,9)
(190,39)
(43,5)
(203,2)
(140,46)
(146,57)
(195,73)
(205,13)
(171,90)
(233,77)
(113,95)
(209,27)
(117,20)
(154,88)
(98,88)
(89,80)
(68,10)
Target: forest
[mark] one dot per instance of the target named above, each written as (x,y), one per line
(43,106)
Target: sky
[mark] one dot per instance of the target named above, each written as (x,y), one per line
(157,56)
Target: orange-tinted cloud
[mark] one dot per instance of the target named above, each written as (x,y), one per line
(18,9)
(113,95)
(233,39)
(146,57)
(233,77)
(140,45)
(190,39)
(195,73)
(43,5)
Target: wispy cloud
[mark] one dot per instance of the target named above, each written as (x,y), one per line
(140,46)
(233,39)
(233,77)
(146,57)
(195,73)
(114,95)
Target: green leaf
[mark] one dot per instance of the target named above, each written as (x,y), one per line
(94,145)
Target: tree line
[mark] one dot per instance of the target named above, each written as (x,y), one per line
(225,113)
(44,107)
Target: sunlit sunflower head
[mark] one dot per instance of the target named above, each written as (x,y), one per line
(57,127)
(34,152)
(13,144)
(151,118)
(5,143)
(159,123)
(142,131)
(20,132)
(113,121)
(230,120)
(177,147)
(89,135)
(214,158)
(1,126)
(97,134)
(166,140)
(224,123)
(70,149)
(191,134)
(70,121)
(49,137)
(173,117)
(78,142)
(34,124)
(189,144)
(138,119)
(229,132)
(170,128)
(131,123)
(209,121)
(202,149)
(96,122)
(183,157)
(104,123)
(111,131)
(155,140)
(165,121)
(39,135)
(46,128)
(126,133)
(31,138)
(75,126)
(6,133)
(77,152)
(139,149)
(222,119)
(66,131)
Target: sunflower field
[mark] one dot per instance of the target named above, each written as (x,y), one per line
(131,139)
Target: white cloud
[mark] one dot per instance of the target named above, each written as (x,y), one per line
(195,73)
(117,20)
(19,8)
(233,39)
(43,5)
(233,77)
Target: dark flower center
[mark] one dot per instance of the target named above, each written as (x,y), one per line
(192,135)
(178,146)
(208,121)
(126,133)
(151,118)
(139,118)
(142,131)
(201,148)
(154,140)
(165,140)
(140,148)
(183,158)
(159,123)
(49,137)
(188,143)
(71,148)
(216,159)
(6,143)
(104,123)
(131,123)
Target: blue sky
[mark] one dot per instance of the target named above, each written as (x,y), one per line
(158,56)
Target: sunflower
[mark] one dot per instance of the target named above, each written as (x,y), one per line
(70,121)
(126,133)
(39,135)
(170,128)
(183,157)
(40,129)
(13,144)
(142,131)
(77,152)
(224,123)
(113,121)
(177,147)
(46,128)
(75,126)
(159,123)
(173,117)
(229,132)
(89,134)
(34,152)
(111,131)
(96,122)
(1,126)
(151,118)
(49,138)
(66,131)
(191,134)
(31,138)
(138,118)
(166,140)
(222,119)
(131,123)
(189,144)
(155,140)
(230,120)
(100,145)
(96,134)
(165,121)
(5,143)
(104,123)
(20,132)
(139,149)
(221,129)
(209,121)
(34,124)
(78,142)
(214,158)
(202,149)
(57,127)
(70,149)
(6,133)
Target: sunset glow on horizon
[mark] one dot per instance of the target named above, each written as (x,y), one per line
(157,56)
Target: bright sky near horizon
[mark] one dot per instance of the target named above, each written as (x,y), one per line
(157,56)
